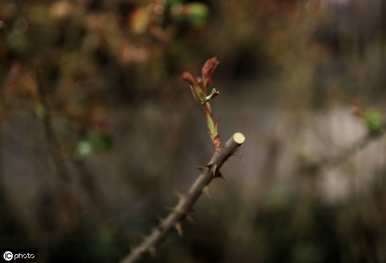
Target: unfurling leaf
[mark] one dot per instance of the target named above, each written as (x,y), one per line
(212,94)
(188,77)
(208,70)
(199,88)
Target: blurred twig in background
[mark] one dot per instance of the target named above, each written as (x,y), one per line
(333,161)
(66,203)
(375,124)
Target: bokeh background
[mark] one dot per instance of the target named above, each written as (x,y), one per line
(98,133)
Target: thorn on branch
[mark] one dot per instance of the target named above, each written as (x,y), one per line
(178,227)
(160,226)
(202,168)
(179,195)
(220,175)
(178,210)
(215,170)
(190,218)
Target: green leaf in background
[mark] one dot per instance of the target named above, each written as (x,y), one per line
(140,20)
(17,40)
(194,13)
(84,148)
(198,13)
(100,141)
(94,142)
(373,121)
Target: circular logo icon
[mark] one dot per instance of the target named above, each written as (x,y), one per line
(8,255)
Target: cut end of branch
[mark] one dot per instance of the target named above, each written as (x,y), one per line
(238,138)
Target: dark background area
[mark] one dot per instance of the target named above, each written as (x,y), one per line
(98,133)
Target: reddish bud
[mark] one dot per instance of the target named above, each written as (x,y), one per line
(188,77)
(208,69)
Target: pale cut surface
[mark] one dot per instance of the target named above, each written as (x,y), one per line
(239,138)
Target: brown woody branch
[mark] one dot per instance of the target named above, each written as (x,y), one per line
(186,202)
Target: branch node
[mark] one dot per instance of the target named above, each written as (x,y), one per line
(215,170)
(179,211)
(207,192)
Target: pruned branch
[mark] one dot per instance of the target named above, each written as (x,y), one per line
(199,88)
(186,202)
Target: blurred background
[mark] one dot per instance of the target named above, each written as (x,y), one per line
(98,133)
